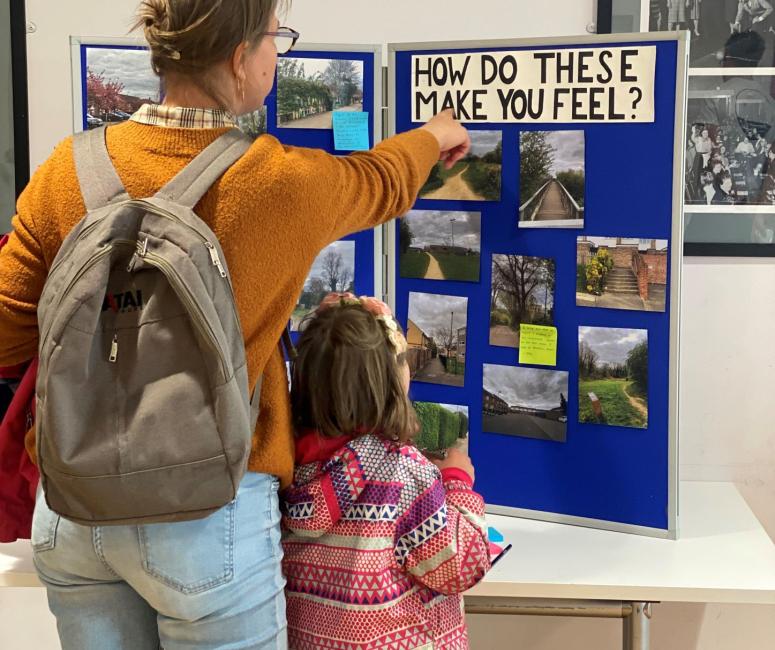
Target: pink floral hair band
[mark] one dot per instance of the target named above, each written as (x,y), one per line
(377,308)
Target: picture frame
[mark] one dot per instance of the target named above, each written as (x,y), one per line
(713,231)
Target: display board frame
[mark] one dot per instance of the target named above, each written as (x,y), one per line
(78,43)
(670,529)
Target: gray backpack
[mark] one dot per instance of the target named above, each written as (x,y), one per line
(143,408)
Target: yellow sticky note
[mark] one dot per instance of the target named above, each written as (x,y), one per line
(538,345)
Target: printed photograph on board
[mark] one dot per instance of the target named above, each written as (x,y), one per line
(729,143)
(442,426)
(440,245)
(522,291)
(525,402)
(119,80)
(475,178)
(253,124)
(332,270)
(551,179)
(613,376)
(621,273)
(725,33)
(310,90)
(436,334)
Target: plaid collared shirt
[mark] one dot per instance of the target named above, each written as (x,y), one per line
(177,117)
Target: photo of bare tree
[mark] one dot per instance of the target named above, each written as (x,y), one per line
(522,291)
(436,334)
(333,270)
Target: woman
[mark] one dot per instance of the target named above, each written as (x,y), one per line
(754,15)
(214,582)
(676,13)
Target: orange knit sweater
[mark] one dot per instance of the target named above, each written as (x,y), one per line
(273,212)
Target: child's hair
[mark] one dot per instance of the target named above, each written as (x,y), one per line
(346,378)
(188,37)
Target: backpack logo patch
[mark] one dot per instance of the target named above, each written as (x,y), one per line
(121,303)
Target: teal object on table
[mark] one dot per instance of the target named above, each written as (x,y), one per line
(351,130)
(493,535)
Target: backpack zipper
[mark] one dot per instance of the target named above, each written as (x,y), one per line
(87,265)
(197,316)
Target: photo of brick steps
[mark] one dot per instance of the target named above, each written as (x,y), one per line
(621,273)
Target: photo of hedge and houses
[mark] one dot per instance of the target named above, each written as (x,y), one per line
(443,426)
(310,90)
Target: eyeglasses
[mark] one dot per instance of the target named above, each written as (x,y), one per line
(284,39)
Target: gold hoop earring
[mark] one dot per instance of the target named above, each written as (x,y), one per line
(241,88)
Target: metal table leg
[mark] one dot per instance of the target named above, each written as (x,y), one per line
(636,627)
(636,617)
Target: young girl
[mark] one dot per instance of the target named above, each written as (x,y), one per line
(379,541)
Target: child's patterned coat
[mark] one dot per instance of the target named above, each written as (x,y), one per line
(379,545)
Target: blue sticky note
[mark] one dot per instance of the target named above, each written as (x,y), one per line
(493,535)
(351,131)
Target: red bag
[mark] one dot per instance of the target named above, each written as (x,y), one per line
(18,475)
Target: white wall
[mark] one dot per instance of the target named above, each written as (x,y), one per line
(728,363)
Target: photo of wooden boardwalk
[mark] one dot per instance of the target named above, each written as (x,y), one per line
(552,180)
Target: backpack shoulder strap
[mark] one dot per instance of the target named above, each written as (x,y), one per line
(193,181)
(99,181)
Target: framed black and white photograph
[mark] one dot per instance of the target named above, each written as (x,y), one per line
(730,183)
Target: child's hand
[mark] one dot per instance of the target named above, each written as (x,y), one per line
(456,458)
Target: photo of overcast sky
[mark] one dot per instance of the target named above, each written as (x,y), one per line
(313,67)
(483,142)
(568,150)
(527,387)
(431,311)
(131,67)
(433,228)
(610,242)
(612,344)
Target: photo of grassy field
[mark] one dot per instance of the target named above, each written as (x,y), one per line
(613,376)
(475,178)
(440,245)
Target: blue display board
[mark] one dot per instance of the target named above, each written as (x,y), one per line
(367,243)
(113,78)
(598,472)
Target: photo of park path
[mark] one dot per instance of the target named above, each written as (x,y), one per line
(613,376)
(440,245)
(475,178)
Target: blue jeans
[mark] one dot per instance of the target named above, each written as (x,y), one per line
(210,583)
